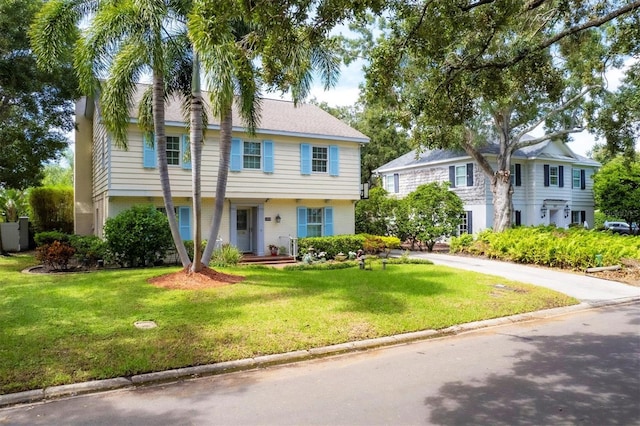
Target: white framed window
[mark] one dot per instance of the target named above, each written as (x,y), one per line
(463,228)
(173,150)
(314,222)
(553,175)
(576,180)
(388,183)
(461,175)
(319,159)
(252,155)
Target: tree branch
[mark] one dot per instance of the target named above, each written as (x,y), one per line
(556,111)
(548,42)
(548,136)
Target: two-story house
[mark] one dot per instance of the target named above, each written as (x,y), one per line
(551,183)
(298,176)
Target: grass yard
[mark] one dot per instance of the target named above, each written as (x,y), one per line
(64,328)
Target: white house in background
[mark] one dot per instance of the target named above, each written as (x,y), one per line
(299,176)
(551,183)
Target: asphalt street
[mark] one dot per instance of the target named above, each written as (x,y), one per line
(578,368)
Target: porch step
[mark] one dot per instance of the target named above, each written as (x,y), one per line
(251,259)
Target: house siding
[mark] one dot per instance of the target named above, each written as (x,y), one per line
(527,199)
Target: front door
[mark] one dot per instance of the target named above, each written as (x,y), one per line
(243,230)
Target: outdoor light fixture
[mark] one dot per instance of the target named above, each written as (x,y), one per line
(567,210)
(543,211)
(278,218)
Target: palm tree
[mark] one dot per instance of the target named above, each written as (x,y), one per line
(229,60)
(124,40)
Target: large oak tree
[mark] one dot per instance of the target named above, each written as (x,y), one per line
(467,73)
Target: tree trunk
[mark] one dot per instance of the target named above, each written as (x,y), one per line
(502,192)
(196,162)
(221,187)
(161,149)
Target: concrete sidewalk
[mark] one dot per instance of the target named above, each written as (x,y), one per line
(592,292)
(582,287)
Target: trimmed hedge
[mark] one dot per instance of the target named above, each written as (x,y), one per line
(574,248)
(345,243)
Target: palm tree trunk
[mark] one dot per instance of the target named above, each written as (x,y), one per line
(196,162)
(226,125)
(161,148)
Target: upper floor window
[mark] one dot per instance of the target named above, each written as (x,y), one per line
(173,150)
(252,156)
(579,178)
(461,175)
(553,175)
(319,158)
(177,150)
(516,174)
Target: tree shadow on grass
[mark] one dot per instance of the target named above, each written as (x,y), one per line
(573,379)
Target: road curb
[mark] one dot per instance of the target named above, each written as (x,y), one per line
(53,392)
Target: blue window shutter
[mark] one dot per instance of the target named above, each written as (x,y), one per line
(469,222)
(546,175)
(334,160)
(452,176)
(184,222)
(583,179)
(149,159)
(469,174)
(186,153)
(236,155)
(328,221)
(518,175)
(561,176)
(396,183)
(302,222)
(305,159)
(267,159)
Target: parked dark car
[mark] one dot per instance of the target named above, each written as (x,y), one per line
(621,228)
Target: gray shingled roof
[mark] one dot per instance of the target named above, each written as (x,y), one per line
(430,156)
(277,117)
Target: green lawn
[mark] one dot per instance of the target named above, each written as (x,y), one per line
(64,328)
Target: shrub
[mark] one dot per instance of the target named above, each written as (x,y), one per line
(48,237)
(52,209)
(56,255)
(188,244)
(89,249)
(331,245)
(461,243)
(227,255)
(139,236)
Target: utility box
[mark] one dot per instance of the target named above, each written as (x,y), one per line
(10,236)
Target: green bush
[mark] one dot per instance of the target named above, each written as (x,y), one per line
(188,244)
(52,209)
(227,255)
(48,237)
(575,248)
(331,245)
(139,236)
(461,243)
(89,249)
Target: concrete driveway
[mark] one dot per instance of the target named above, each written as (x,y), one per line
(583,287)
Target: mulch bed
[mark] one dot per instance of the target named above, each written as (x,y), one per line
(185,280)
